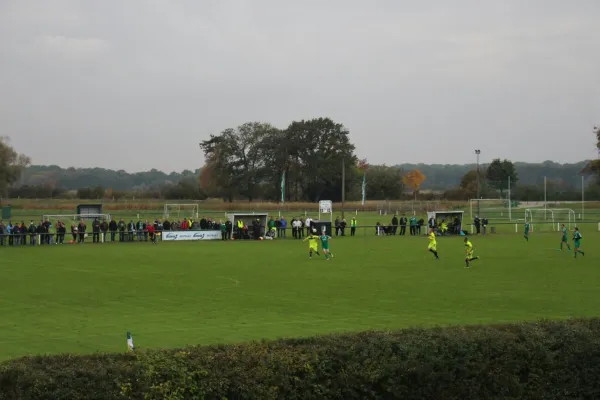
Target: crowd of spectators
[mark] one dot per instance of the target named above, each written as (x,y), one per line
(19,234)
(45,232)
(397,226)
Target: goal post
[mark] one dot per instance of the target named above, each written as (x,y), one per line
(490,208)
(181,211)
(549,219)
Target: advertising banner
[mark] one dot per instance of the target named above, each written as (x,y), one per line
(191,235)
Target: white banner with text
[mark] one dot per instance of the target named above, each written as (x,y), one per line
(191,235)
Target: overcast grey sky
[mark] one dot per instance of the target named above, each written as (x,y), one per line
(136,84)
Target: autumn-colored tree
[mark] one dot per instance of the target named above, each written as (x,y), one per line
(363,165)
(204,178)
(414,179)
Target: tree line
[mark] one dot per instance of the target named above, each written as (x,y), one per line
(71,178)
(440,177)
(185,189)
(256,160)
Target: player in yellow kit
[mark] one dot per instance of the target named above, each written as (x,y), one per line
(433,244)
(313,243)
(469,252)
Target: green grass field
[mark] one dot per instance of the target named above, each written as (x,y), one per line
(84,298)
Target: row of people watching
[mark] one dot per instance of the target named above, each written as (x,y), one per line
(398,226)
(22,234)
(103,231)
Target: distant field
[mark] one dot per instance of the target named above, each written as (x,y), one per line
(84,298)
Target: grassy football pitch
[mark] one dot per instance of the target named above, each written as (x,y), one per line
(84,298)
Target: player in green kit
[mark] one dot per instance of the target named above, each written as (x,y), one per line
(469,253)
(564,239)
(526,235)
(577,242)
(325,245)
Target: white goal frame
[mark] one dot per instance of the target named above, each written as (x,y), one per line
(551,218)
(174,210)
(473,206)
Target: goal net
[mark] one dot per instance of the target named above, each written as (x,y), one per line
(549,220)
(492,209)
(179,211)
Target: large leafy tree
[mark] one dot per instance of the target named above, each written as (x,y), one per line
(384,182)
(468,183)
(311,154)
(11,165)
(317,150)
(216,177)
(499,171)
(280,156)
(236,160)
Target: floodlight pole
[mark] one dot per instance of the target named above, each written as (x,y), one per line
(477,153)
(545,198)
(343,185)
(509,201)
(582,198)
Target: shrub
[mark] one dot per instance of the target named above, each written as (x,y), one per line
(550,360)
(66,377)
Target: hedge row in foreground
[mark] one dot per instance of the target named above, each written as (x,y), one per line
(545,360)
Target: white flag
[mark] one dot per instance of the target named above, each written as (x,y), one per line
(130,342)
(283,187)
(364,189)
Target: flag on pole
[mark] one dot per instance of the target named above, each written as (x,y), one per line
(283,187)
(364,189)
(130,342)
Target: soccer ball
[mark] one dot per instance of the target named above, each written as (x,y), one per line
(314,230)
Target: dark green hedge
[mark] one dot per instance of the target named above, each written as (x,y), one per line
(545,360)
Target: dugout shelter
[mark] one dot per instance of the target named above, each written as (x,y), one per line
(93,210)
(248,218)
(449,218)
